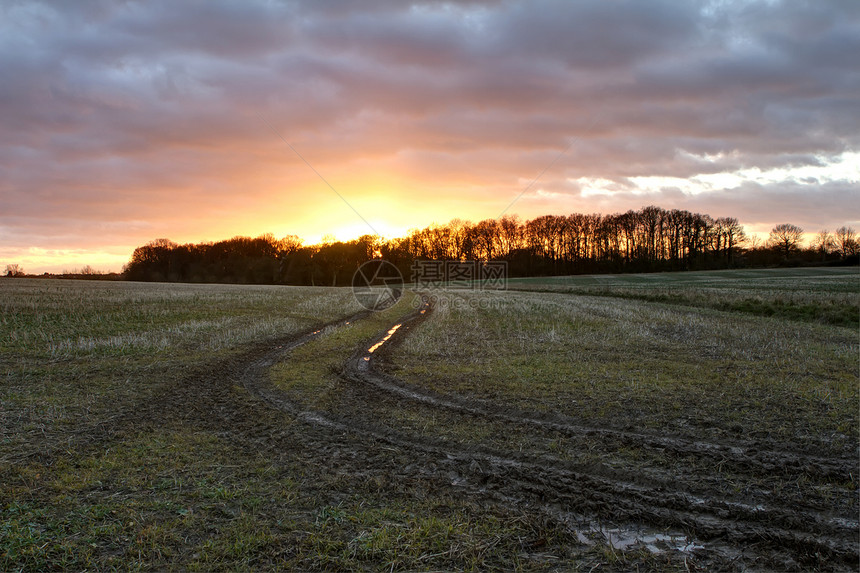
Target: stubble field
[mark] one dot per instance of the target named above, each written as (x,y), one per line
(654,422)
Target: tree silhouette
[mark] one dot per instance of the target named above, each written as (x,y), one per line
(13,270)
(650,239)
(730,235)
(785,238)
(846,242)
(823,243)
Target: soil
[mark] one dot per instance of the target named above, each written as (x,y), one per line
(685,513)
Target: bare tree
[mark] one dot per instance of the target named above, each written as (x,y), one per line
(162,244)
(510,234)
(461,240)
(731,236)
(652,220)
(823,243)
(485,238)
(846,242)
(785,238)
(14,270)
(289,244)
(754,243)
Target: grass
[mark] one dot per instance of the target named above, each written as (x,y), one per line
(204,485)
(130,506)
(74,352)
(666,365)
(310,373)
(194,502)
(92,476)
(664,368)
(819,295)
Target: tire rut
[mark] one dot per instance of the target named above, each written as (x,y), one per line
(747,454)
(547,483)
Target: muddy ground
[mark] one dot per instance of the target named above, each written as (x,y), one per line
(687,513)
(682,511)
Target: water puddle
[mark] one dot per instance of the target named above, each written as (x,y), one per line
(624,539)
(391,332)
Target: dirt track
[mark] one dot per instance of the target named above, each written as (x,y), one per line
(692,498)
(693,517)
(710,524)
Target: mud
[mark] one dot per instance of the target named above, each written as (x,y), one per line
(662,514)
(688,515)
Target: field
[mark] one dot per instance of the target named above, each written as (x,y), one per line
(677,422)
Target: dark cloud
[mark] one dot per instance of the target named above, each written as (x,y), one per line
(125,113)
(812,207)
(594,35)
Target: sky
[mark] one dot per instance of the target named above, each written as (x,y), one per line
(125,121)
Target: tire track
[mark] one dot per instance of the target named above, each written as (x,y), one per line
(762,457)
(555,486)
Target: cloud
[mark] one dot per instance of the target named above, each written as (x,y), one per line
(125,120)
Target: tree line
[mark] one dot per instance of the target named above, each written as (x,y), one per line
(647,240)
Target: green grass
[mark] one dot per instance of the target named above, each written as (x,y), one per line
(222,482)
(310,373)
(820,295)
(665,368)
(206,486)
(75,352)
(192,501)
(817,278)
(641,364)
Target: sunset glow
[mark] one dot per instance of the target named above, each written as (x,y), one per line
(122,122)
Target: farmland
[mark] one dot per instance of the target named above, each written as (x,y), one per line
(654,422)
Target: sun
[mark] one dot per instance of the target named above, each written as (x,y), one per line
(375,226)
